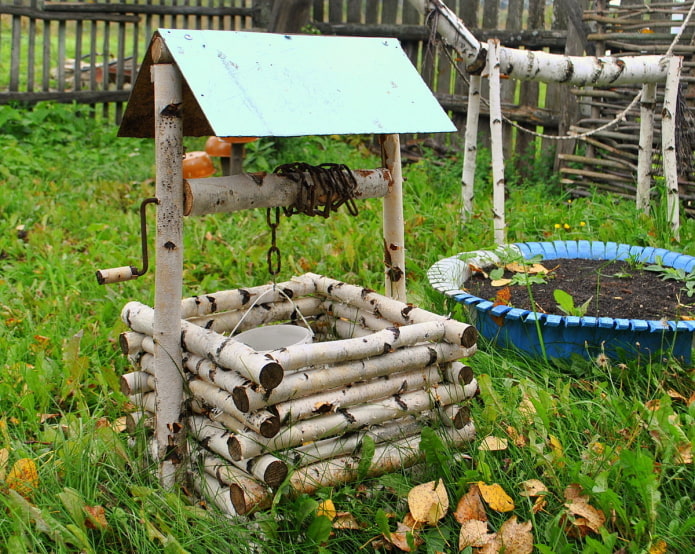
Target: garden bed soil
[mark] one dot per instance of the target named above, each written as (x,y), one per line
(619,290)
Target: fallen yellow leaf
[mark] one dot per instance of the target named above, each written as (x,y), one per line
(23,477)
(96,518)
(326,508)
(500,282)
(496,497)
(470,506)
(428,502)
(659,547)
(588,517)
(399,538)
(492,443)
(4,458)
(533,487)
(345,520)
(516,537)
(474,533)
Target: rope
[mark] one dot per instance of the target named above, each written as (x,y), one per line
(619,117)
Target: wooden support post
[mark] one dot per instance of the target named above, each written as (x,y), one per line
(668,142)
(493,66)
(169,428)
(644,160)
(470,147)
(394,233)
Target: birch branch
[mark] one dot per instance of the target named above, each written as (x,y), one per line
(249,397)
(224,351)
(245,191)
(248,444)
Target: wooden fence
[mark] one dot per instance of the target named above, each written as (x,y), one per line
(76,50)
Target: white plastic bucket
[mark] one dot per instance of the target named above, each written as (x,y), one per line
(274,337)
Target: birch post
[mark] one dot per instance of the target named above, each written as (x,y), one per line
(170,429)
(498,217)
(668,141)
(646,137)
(470,147)
(394,233)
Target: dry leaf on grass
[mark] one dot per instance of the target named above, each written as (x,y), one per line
(492,443)
(517,438)
(4,458)
(659,547)
(684,453)
(516,538)
(535,488)
(345,520)
(470,506)
(474,533)
(496,497)
(96,518)
(586,518)
(23,477)
(399,538)
(428,502)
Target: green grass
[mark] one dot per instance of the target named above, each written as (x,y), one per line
(70,191)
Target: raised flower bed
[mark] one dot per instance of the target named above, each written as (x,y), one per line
(560,336)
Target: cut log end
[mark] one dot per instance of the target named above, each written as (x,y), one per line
(236,493)
(241,399)
(469,337)
(271,375)
(275,474)
(234,448)
(270,427)
(462,417)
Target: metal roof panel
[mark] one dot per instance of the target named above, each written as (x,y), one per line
(264,84)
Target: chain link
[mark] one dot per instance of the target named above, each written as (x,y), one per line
(274,257)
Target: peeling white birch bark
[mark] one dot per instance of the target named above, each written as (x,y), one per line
(668,142)
(470,147)
(245,191)
(498,216)
(249,397)
(211,489)
(394,229)
(366,320)
(249,445)
(170,426)
(646,137)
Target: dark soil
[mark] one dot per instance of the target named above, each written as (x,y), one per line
(619,290)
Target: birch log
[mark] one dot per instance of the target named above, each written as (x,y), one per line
(245,191)
(166,329)
(249,397)
(394,229)
(470,147)
(531,65)
(330,401)
(261,314)
(498,188)
(211,489)
(249,445)
(398,312)
(668,144)
(224,351)
(646,137)
(246,494)
(366,320)
(139,418)
(267,468)
(135,382)
(236,299)
(387,458)
(263,422)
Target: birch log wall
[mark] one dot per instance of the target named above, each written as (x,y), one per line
(378,370)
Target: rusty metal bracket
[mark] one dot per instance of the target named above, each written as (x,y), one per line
(128,272)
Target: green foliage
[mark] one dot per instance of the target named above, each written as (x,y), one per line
(71,189)
(565,301)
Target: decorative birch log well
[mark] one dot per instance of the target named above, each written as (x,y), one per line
(240,419)
(561,336)
(377,367)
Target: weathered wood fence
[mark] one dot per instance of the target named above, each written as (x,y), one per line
(74,50)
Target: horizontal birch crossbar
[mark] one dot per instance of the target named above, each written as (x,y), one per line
(266,190)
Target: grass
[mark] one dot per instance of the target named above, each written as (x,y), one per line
(69,207)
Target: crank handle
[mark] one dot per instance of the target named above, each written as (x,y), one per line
(117,274)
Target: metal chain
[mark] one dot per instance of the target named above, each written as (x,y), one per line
(274,257)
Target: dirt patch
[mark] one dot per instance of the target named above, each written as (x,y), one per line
(619,290)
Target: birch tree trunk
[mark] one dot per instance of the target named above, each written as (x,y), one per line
(470,147)
(668,144)
(498,188)
(394,231)
(170,428)
(646,137)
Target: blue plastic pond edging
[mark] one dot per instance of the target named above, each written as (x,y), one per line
(564,336)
